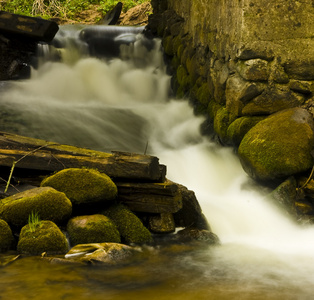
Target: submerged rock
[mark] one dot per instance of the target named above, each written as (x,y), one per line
(43,237)
(6,236)
(48,203)
(129,225)
(92,229)
(109,253)
(279,146)
(83,186)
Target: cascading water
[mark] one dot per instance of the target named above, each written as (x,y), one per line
(124,104)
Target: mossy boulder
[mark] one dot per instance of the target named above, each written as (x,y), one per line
(48,203)
(279,146)
(238,128)
(45,237)
(6,236)
(92,229)
(129,225)
(83,186)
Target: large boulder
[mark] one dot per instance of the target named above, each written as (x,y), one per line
(279,146)
(92,229)
(6,236)
(42,237)
(83,186)
(129,225)
(48,203)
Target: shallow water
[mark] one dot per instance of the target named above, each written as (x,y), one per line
(125,105)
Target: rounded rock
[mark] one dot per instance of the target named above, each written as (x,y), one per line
(83,186)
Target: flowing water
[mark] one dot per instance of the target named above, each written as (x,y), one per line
(125,104)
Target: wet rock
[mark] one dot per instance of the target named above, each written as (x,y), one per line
(300,69)
(254,69)
(238,128)
(285,195)
(45,237)
(108,253)
(92,229)
(303,87)
(273,99)
(129,225)
(46,201)
(6,236)
(83,186)
(194,234)
(191,213)
(162,223)
(279,146)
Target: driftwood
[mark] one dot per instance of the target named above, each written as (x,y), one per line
(150,197)
(35,154)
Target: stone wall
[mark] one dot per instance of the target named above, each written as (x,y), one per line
(242,59)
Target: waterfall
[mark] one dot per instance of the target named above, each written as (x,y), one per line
(124,103)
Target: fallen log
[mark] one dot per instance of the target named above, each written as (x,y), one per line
(35,154)
(150,197)
(26,27)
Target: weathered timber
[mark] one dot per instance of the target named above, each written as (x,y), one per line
(27,27)
(36,154)
(150,197)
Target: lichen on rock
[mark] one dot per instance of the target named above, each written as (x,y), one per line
(83,186)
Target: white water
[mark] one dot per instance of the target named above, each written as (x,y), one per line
(117,106)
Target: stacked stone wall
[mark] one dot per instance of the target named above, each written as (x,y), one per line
(239,59)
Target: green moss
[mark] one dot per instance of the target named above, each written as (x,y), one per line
(92,229)
(222,121)
(83,185)
(238,128)
(203,94)
(212,109)
(177,42)
(129,225)
(46,201)
(46,238)
(167,43)
(6,236)
(279,146)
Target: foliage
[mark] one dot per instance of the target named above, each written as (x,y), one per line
(33,221)
(63,9)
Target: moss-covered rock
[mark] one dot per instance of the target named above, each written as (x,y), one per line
(222,121)
(92,229)
(47,202)
(129,225)
(238,128)
(45,237)
(279,146)
(6,236)
(83,186)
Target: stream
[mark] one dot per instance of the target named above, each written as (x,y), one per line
(124,103)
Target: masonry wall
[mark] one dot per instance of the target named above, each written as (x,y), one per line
(239,58)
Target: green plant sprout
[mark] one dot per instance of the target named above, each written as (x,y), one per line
(33,221)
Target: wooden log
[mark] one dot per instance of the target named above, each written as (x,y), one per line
(150,197)
(27,27)
(35,154)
